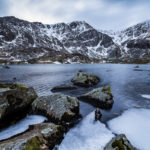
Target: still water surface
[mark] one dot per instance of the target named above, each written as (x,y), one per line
(128,85)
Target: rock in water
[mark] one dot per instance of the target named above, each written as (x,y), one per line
(85,80)
(63,88)
(136,66)
(58,108)
(98,114)
(40,137)
(120,142)
(15,100)
(99,97)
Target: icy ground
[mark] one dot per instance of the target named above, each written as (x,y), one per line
(135,124)
(88,135)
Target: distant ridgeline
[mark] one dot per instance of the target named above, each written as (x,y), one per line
(76,42)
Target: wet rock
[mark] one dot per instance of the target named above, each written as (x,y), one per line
(15,99)
(98,114)
(120,142)
(58,108)
(63,88)
(99,97)
(6,67)
(85,80)
(138,70)
(40,137)
(136,66)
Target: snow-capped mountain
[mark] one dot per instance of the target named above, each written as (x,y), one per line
(134,42)
(75,42)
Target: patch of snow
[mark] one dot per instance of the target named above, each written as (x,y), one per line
(56,62)
(21,126)
(135,124)
(146,96)
(88,135)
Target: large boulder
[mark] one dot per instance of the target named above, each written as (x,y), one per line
(63,88)
(85,80)
(39,137)
(15,100)
(99,97)
(57,108)
(120,142)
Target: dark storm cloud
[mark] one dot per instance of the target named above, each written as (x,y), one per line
(102,14)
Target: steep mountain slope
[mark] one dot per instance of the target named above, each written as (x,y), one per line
(134,42)
(75,42)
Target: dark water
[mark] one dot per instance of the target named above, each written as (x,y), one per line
(127,84)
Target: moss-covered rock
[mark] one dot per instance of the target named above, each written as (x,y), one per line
(120,142)
(59,107)
(85,80)
(13,86)
(40,137)
(33,144)
(15,100)
(99,97)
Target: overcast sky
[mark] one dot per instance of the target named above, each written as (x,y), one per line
(102,14)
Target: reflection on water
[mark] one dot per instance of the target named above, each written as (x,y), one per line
(127,84)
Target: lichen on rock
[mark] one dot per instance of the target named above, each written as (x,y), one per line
(15,99)
(85,80)
(120,142)
(58,107)
(42,136)
(99,97)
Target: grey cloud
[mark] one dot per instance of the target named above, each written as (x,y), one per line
(102,14)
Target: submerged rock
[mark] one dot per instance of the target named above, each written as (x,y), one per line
(120,142)
(137,66)
(6,66)
(15,100)
(59,108)
(40,137)
(98,114)
(85,80)
(99,97)
(63,87)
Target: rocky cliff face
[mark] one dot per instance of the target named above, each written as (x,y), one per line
(75,42)
(134,42)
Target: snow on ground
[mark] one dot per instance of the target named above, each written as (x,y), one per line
(21,126)
(88,135)
(56,62)
(146,96)
(135,124)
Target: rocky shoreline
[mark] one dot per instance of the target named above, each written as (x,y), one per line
(62,112)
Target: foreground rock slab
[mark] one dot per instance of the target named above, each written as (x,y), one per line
(40,137)
(85,80)
(58,108)
(99,97)
(63,88)
(120,142)
(15,100)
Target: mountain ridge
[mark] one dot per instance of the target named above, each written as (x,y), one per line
(22,41)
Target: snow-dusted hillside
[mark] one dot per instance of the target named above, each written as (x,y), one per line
(75,42)
(134,42)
